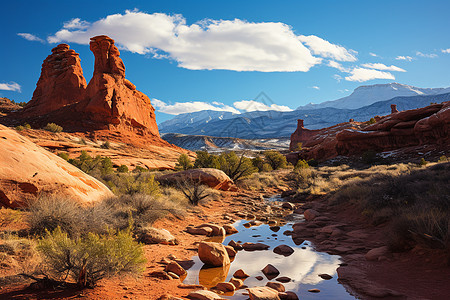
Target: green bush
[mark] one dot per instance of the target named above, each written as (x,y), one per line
(275,159)
(183,163)
(106,145)
(261,165)
(88,259)
(139,169)
(52,127)
(64,155)
(206,160)
(301,164)
(95,166)
(236,167)
(122,169)
(20,128)
(134,183)
(423,162)
(371,121)
(443,158)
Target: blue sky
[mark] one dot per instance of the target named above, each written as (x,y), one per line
(191,55)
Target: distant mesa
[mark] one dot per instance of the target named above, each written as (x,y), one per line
(108,102)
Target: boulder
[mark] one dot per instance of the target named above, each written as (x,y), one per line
(236,282)
(240,274)
(199,231)
(270,271)
(375,253)
(225,287)
(288,205)
(213,178)
(262,293)
(213,254)
(203,295)
(230,229)
(276,286)
(27,170)
(236,246)
(288,296)
(216,230)
(255,246)
(231,252)
(151,235)
(175,268)
(310,214)
(325,276)
(284,250)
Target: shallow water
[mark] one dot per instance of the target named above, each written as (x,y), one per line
(303,266)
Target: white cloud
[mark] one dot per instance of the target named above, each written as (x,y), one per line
(344,90)
(76,23)
(431,55)
(361,74)
(446,50)
(188,107)
(337,77)
(209,44)
(338,66)
(252,105)
(15,87)
(326,49)
(373,54)
(30,37)
(407,58)
(315,87)
(382,67)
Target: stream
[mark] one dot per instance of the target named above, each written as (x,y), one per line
(303,266)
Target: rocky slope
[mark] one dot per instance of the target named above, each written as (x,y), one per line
(219,144)
(272,124)
(7,106)
(27,170)
(427,126)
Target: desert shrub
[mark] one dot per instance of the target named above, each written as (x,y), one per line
(259,181)
(183,163)
(261,165)
(371,121)
(52,127)
(422,162)
(122,169)
(20,128)
(134,183)
(301,164)
(236,167)
(9,217)
(17,255)
(443,158)
(275,159)
(64,155)
(106,145)
(193,190)
(95,166)
(139,169)
(369,157)
(92,257)
(206,160)
(298,147)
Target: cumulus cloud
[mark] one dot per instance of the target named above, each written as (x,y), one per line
(76,23)
(326,49)
(315,87)
(189,107)
(338,66)
(208,44)
(407,58)
(12,86)
(431,55)
(446,50)
(382,67)
(362,74)
(252,105)
(31,37)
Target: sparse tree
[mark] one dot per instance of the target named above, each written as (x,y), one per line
(184,163)
(236,167)
(275,159)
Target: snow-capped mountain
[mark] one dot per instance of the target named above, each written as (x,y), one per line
(368,94)
(199,117)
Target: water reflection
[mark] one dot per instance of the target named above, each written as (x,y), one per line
(303,266)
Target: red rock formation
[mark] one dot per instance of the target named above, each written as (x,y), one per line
(7,106)
(394,108)
(423,126)
(427,125)
(61,83)
(112,100)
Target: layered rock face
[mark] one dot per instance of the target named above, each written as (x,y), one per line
(112,100)
(27,170)
(61,83)
(429,125)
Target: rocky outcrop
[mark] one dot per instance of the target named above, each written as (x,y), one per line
(213,178)
(27,170)
(7,106)
(61,83)
(429,125)
(112,100)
